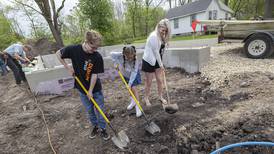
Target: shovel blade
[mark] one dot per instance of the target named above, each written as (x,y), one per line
(171,108)
(152,128)
(120,140)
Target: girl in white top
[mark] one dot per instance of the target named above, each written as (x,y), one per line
(152,59)
(129,67)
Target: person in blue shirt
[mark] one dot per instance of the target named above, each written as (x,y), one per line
(12,55)
(128,64)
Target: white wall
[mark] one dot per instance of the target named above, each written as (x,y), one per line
(214,6)
(185,25)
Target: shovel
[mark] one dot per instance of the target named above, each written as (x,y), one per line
(119,139)
(150,126)
(169,108)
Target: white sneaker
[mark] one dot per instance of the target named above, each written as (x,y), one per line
(138,112)
(131,105)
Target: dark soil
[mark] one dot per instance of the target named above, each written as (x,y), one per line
(204,119)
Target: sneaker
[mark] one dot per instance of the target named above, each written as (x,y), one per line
(104,134)
(138,112)
(94,132)
(131,105)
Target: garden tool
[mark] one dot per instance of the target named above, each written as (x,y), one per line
(119,139)
(169,108)
(150,126)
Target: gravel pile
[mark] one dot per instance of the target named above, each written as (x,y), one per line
(229,59)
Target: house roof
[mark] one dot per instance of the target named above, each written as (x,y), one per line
(192,8)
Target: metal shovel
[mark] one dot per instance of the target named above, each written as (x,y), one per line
(169,108)
(119,139)
(150,126)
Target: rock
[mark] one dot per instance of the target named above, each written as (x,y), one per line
(198,104)
(244,84)
(24,108)
(194,146)
(194,152)
(247,129)
(163,150)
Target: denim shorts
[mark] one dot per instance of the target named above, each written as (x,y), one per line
(137,80)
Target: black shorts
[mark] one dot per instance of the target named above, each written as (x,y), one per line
(146,67)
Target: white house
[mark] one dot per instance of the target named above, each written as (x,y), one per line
(182,17)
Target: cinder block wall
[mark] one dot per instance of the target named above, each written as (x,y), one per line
(54,78)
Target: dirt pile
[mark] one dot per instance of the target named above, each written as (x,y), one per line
(43,46)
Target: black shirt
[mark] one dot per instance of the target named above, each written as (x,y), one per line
(84,64)
(161,51)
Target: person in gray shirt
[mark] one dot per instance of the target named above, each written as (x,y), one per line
(14,55)
(129,67)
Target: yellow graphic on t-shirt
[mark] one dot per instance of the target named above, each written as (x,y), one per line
(89,69)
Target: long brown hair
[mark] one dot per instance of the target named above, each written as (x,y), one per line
(129,50)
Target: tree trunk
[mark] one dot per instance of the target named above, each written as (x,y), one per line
(226,2)
(56,34)
(268,9)
(147,20)
(169,1)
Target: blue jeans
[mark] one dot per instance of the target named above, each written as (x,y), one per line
(3,67)
(94,116)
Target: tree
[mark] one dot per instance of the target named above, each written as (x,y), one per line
(99,15)
(226,2)
(47,9)
(7,34)
(269,4)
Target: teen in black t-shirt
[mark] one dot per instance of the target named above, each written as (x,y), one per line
(87,64)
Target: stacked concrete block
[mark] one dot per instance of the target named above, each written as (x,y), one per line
(50,77)
(190,59)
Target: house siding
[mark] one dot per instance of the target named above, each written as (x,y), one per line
(215,6)
(185,25)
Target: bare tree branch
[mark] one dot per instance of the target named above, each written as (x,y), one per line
(16,1)
(61,7)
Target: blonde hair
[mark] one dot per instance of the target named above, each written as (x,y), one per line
(93,37)
(163,23)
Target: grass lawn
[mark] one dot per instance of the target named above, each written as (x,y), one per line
(178,38)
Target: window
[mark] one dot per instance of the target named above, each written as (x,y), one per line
(215,14)
(176,23)
(210,15)
(192,18)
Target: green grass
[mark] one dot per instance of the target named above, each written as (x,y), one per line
(179,38)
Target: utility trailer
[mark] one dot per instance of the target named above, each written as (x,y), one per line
(257,36)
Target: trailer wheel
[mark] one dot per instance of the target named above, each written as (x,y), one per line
(258,46)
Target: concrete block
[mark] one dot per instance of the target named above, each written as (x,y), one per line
(50,81)
(190,59)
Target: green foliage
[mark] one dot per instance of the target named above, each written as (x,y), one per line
(7,35)
(136,18)
(247,9)
(99,14)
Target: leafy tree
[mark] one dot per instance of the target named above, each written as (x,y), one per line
(47,8)
(99,14)
(7,35)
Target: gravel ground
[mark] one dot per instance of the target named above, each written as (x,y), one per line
(229,59)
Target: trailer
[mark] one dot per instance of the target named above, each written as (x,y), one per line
(257,36)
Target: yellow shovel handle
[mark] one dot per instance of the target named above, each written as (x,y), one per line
(93,101)
(130,91)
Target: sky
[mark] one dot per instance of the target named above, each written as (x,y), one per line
(24,23)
